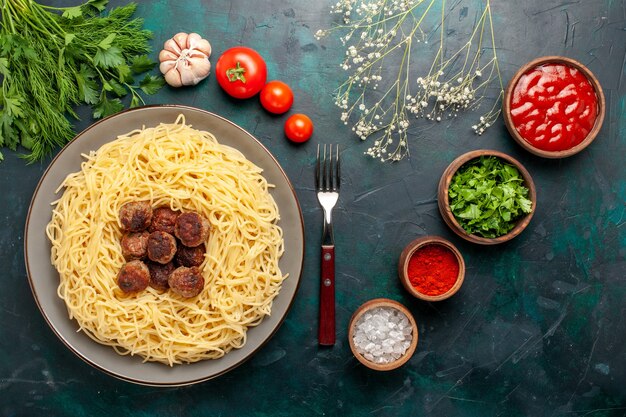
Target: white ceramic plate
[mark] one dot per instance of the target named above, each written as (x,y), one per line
(44,279)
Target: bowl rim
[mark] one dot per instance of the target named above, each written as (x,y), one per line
(406,256)
(382,302)
(508,120)
(444,205)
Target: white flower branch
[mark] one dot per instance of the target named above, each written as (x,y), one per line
(376,31)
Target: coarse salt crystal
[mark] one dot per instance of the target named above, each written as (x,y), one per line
(382,335)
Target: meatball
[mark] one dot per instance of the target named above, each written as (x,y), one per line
(161,247)
(135,216)
(186,256)
(134,245)
(159,274)
(186,282)
(133,277)
(192,229)
(163,220)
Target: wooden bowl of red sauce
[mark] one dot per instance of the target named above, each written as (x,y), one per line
(554,107)
(431,268)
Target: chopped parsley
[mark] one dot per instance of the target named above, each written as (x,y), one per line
(487,197)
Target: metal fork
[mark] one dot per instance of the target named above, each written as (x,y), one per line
(327,184)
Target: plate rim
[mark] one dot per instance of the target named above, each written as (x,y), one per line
(101,368)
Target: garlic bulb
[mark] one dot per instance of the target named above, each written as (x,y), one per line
(185,59)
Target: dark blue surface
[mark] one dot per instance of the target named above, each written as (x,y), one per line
(538,329)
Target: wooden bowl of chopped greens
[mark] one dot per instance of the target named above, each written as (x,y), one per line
(486,197)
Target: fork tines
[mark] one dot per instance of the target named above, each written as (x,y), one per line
(327,176)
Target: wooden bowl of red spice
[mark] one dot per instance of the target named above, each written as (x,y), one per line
(431,268)
(554,107)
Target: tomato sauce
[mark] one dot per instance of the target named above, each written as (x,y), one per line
(554,107)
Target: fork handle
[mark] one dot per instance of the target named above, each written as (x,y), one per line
(326,335)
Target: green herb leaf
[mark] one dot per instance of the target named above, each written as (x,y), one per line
(13,106)
(4,67)
(27,141)
(69,37)
(124,75)
(87,87)
(108,58)
(73,12)
(472,212)
(107,107)
(151,84)
(107,42)
(134,102)
(100,5)
(142,63)
(8,135)
(525,204)
(22,50)
(6,44)
(117,88)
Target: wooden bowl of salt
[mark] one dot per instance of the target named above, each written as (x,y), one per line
(382,334)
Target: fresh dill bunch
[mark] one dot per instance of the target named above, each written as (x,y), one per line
(55,58)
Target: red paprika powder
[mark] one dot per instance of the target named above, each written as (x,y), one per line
(433,269)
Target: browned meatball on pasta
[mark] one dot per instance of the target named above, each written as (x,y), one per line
(133,277)
(135,216)
(163,220)
(186,256)
(192,229)
(186,282)
(159,274)
(161,247)
(135,245)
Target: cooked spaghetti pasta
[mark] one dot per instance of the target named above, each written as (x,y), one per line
(188,170)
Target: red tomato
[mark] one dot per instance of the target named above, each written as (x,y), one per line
(241,72)
(276,97)
(298,128)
